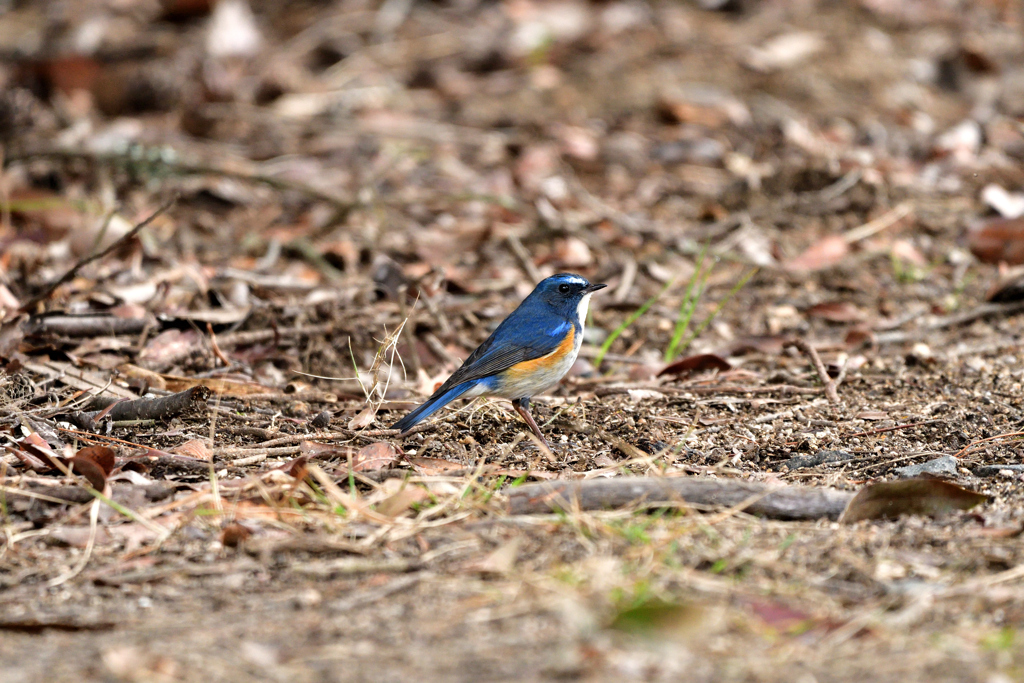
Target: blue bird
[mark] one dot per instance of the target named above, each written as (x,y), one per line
(529,352)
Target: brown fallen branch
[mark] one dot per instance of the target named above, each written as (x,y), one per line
(786,502)
(830,384)
(159,408)
(116,244)
(85,325)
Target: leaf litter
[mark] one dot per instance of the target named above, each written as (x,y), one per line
(205,212)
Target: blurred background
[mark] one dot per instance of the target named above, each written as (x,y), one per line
(741,173)
(355,152)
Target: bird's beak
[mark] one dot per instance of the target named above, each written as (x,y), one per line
(590,289)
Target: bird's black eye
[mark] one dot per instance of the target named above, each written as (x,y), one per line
(564,289)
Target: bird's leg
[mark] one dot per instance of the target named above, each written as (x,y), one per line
(522,406)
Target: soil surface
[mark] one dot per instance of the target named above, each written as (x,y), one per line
(238,243)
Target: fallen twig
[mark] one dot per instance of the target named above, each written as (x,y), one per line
(70,275)
(85,325)
(524,258)
(883,222)
(812,354)
(159,408)
(786,502)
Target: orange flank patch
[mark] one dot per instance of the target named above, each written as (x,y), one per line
(547,363)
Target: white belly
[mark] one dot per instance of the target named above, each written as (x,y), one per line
(513,386)
(537,382)
(540,381)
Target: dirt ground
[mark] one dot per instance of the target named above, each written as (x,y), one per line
(347,197)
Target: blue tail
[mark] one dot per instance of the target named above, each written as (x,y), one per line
(433,404)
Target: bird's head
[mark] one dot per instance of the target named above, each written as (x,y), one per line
(567,293)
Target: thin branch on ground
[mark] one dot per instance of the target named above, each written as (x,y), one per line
(829,383)
(111,248)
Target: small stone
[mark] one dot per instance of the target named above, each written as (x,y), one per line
(947,464)
(819,458)
(321,421)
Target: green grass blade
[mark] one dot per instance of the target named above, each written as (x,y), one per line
(629,321)
(689,304)
(707,321)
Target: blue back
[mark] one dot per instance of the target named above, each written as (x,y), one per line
(534,329)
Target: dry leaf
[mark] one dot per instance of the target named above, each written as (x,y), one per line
(500,561)
(298,468)
(400,502)
(784,51)
(129,663)
(54,213)
(232,31)
(169,345)
(572,253)
(78,536)
(364,418)
(195,448)
(825,253)
(836,312)
(535,163)
(102,456)
(782,618)
(918,496)
(8,302)
(998,240)
(153,379)
(697,363)
(375,456)
(35,452)
(858,337)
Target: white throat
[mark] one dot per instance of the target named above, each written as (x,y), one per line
(581,310)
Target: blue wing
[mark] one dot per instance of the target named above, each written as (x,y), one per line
(522,336)
(433,404)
